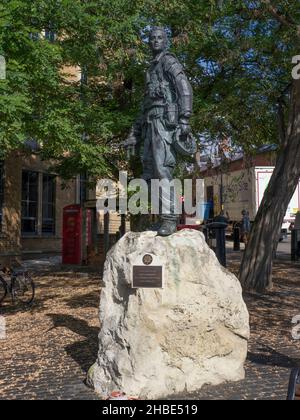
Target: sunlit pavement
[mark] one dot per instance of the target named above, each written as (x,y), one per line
(283,250)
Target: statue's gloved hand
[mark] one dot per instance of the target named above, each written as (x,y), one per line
(184,126)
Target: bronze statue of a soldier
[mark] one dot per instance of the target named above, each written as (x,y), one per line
(166,111)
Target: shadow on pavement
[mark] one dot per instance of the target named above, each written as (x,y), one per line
(84,353)
(90,300)
(270,357)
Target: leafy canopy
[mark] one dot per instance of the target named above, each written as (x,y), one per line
(78,93)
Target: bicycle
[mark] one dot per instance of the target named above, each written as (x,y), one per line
(294,385)
(18,284)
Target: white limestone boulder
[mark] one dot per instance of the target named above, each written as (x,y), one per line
(157,342)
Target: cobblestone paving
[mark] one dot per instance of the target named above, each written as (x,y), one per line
(50,347)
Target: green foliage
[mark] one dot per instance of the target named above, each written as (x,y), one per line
(238,57)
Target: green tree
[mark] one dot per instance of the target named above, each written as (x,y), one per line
(237,53)
(256,268)
(73,119)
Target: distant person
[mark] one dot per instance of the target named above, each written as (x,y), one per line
(246,227)
(211,209)
(228,216)
(292,226)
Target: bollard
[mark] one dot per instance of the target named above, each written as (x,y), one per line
(219,229)
(106,233)
(205,232)
(236,239)
(295,245)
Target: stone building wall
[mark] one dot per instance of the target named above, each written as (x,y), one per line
(12,242)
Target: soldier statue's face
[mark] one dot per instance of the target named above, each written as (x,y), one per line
(157,42)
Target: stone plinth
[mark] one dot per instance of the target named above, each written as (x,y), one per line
(156,342)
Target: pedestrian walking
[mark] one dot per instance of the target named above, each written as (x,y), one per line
(246,227)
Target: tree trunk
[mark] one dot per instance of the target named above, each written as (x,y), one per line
(257,263)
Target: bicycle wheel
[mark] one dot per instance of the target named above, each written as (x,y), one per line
(3,290)
(23,288)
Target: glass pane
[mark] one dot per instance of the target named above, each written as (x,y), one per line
(48,222)
(33,190)
(50,211)
(24,210)
(24,186)
(29,201)
(48,226)
(32,210)
(28,226)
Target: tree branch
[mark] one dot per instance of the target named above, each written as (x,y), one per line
(281,123)
(281,114)
(283,19)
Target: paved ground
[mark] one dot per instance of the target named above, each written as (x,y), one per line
(49,348)
(284,248)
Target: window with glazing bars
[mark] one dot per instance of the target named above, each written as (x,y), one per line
(29,202)
(48,204)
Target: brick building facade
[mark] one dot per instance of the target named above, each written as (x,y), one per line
(31,206)
(32,200)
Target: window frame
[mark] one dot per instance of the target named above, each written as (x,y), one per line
(48,203)
(28,201)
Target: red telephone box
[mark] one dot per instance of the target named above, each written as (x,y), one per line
(72,234)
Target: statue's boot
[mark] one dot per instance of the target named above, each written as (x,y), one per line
(167,228)
(154,227)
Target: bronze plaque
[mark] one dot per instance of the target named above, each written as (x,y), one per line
(147,259)
(148,276)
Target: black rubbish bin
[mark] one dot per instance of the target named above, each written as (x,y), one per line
(217,230)
(295,245)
